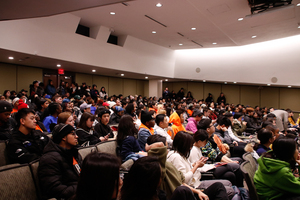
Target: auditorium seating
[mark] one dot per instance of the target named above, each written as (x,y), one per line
(248,172)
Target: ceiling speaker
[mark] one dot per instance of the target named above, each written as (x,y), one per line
(198,70)
(274,80)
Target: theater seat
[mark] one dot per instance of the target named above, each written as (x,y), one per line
(84,151)
(3,153)
(248,173)
(17,182)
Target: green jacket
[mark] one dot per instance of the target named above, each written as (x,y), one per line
(238,128)
(172,178)
(274,178)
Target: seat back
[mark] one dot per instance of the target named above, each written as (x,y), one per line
(17,183)
(34,170)
(3,153)
(84,151)
(253,161)
(248,174)
(107,147)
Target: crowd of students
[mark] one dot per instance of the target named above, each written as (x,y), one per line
(173,141)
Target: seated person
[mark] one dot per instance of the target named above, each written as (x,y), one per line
(162,124)
(177,120)
(26,143)
(116,116)
(5,120)
(102,130)
(211,148)
(238,126)
(128,145)
(236,148)
(86,136)
(266,138)
(99,177)
(192,121)
(54,109)
(182,144)
(136,188)
(59,167)
(274,178)
(146,128)
(230,171)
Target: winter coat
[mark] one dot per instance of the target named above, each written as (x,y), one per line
(26,148)
(85,138)
(177,125)
(102,130)
(58,174)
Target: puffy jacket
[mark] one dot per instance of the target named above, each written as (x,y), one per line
(177,125)
(85,138)
(102,130)
(58,176)
(274,178)
(26,148)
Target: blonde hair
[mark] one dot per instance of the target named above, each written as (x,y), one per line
(162,112)
(63,117)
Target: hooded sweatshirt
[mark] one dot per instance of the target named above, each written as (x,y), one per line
(191,125)
(177,125)
(274,178)
(171,177)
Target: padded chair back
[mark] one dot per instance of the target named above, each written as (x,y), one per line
(107,147)
(248,173)
(84,151)
(3,153)
(34,170)
(253,161)
(17,183)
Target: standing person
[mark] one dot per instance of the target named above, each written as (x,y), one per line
(209,99)
(180,93)
(221,99)
(282,120)
(95,93)
(59,167)
(5,120)
(61,88)
(99,178)
(166,93)
(26,143)
(103,94)
(50,89)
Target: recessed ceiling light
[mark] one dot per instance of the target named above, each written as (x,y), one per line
(298,4)
(166,80)
(204,81)
(159,5)
(153,31)
(268,84)
(289,86)
(93,70)
(146,77)
(225,82)
(240,19)
(180,44)
(10,58)
(112,13)
(254,36)
(298,26)
(122,74)
(214,43)
(58,65)
(193,29)
(234,82)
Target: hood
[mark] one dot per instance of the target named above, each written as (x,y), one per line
(161,154)
(270,166)
(175,119)
(191,119)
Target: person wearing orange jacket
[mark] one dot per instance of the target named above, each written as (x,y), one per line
(177,120)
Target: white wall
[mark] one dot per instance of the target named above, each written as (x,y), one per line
(55,37)
(256,63)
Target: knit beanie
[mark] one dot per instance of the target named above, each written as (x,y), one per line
(60,131)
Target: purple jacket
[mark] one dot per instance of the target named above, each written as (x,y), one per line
(191,125)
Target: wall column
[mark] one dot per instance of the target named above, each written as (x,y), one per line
(155,88)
